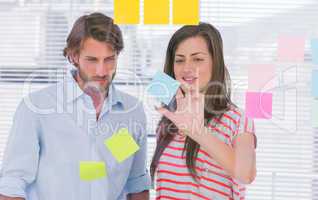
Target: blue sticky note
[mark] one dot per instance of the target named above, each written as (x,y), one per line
(314,50)
(163,87)
(314,82)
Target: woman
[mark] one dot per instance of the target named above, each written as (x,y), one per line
(206,145)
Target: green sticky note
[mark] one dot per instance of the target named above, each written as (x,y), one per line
(122,145)
(91,170)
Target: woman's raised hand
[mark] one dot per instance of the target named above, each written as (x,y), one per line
(189,115)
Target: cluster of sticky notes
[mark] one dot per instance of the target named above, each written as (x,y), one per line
(122,145)
(261,77)
(292,48)
(92,170)
(163,87)
(156,11)
(258,102)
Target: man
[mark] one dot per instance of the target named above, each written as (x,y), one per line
(59,127)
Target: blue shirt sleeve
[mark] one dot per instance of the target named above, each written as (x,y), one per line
(20,162)
(139,179)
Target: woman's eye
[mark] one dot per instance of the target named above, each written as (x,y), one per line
(91,60)
(178,61)
(110,59)
(198,59)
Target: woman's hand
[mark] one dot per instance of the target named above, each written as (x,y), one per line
(239,161)
(2,197)
(189,115)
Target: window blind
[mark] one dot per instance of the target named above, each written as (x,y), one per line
(32,37)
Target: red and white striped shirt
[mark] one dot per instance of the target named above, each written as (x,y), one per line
(173,180)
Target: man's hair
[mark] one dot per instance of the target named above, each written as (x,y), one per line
(97,26)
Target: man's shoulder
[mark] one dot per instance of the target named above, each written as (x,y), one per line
(44,97)
(130,102)
(125,96)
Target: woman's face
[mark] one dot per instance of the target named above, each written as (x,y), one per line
(193,62)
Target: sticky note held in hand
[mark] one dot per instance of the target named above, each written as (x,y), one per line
(163,87)
(122,145)
(91,170)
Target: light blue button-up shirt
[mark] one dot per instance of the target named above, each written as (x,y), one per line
(56,128)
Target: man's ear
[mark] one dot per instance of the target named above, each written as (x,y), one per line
(75,59)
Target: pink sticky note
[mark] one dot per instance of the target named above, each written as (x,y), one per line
(259,105)
(291,48)
(261,77)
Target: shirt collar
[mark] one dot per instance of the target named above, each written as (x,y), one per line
(115,95)
(74,91)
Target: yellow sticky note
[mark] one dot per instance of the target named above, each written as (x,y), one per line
(185,12)
(91,170)
(126,11)
(156,11)
(122,145)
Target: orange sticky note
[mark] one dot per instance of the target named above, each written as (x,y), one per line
(156,11)
(126,11)
(186,12)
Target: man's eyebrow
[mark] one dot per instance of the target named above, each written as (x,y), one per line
(90,57)
(93,57)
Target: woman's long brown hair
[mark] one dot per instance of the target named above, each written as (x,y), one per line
(217,95)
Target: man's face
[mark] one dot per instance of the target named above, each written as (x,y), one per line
(97,63)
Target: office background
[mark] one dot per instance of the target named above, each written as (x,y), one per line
(33,33)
